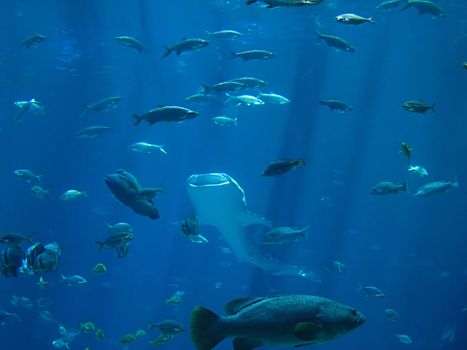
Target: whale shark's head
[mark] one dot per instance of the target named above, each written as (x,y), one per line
(215,196)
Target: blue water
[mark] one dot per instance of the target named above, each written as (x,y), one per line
(411,248)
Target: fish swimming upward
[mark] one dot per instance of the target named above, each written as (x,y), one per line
(218,200)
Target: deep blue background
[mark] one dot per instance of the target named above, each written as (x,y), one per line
(414,249)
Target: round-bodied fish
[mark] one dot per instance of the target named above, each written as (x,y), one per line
(165,114)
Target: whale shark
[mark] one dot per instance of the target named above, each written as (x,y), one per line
(218,200)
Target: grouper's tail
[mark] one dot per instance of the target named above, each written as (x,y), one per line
(204,328)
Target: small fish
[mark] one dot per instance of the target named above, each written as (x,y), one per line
(186,45)
(104,105)
(224,87)
(131,42)
(336,105)
(464,65)
(46,315)
(282,166)
(418,169)
(32,106)
(352,18)
(127,339)
(336,266)
(281,235)
(87,327)
(73,194)
(100,334)
(371,291)
(200,98)
(145,147)
(273,98)
(99,269)
(407,151)
(285,3)
(169,327)
(254,55)
(121,227)
(27,175)
(386,5)
(40,192)
(92,131)
(224,120)
(417,106)
(44,302)
(336,42)
(175,299)
(42,283)
(60,343)
(73,280)
(140,333)
(190,228)
(246,100)
(392,314)
(425,6)
(116,240)
(250,82)
(161,340)
(403,338)
(21,302)
(435,188)
(225,34)
(33,40)
(387,187)
(165,114)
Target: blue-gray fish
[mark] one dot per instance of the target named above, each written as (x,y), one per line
(336,41)
(289,320)
(185,45)
(387,187)
(425,6)
(254,55)
(435,187)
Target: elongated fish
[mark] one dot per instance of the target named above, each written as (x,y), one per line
(218,200)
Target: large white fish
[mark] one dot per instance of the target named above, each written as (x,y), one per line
(218,200)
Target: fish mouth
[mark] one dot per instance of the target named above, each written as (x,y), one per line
(359,319)
(208,180)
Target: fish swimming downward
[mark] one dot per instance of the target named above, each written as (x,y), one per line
(218,200)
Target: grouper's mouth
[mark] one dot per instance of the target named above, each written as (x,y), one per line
(208,180)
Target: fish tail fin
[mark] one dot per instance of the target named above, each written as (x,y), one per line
(360,287)
(162,149)
(205,89)
(62,278)
(85,109)
(455,182)
(233,54)
(230,98)
(371,20)
(405,187)
(167,52)
(433,107)
(29,238)
(137,119)
(151,325)
(204,328)
(101,245)
(301,162)
(39,178)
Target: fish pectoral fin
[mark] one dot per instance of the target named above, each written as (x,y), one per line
(248,218)
(245,344)
(307,330)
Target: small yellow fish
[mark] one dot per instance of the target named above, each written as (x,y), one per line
(407,151)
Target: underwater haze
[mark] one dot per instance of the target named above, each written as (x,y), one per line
(351,147)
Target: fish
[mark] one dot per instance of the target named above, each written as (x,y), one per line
(116,240)
(425,6)
(165,114)
(103,105)
(224,120)
(386,5)
(131,42)
(285,3)
(169,327)
(21,302)
(403,338)
(336,41)
(185,45)
(280,235)
(371,291)
(120,227)
(336,105)
(190,228)
(92,131)
(99,268)
(44,302)
(392,314)
(33,40)
(250,82)
(40,192)
(417,106)
(388,187)
(436,187)
(42,283)
(219,201)
(223,87)
(16,238)
(464,65)
(225,34)
(200,98)
(73,194)
(282,166)
(418,169)
(27,175)
(147,147)
(73,280)
(273,98)
(32,106)
(126,189)
(352,18)
(11,260)
(254,55)
(287,320)
(246,100)
(407,151)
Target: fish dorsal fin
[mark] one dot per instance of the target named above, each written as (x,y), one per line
(236,305)
(308,331)
(249,218)
(245,344)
